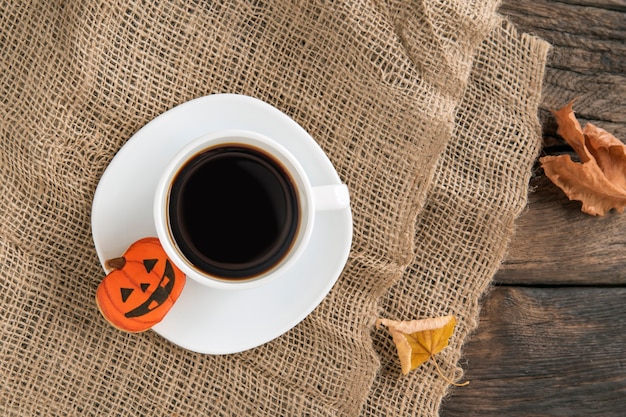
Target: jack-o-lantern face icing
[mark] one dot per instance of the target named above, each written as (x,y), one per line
(141,289)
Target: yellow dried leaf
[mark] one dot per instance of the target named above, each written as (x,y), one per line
(599,179)
(418,340)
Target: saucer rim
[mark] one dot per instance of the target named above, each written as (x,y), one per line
(288,124)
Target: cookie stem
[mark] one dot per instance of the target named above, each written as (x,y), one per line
(116,263)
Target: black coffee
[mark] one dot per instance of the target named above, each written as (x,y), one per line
(233,211)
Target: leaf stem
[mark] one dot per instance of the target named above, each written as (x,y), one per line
(444,377)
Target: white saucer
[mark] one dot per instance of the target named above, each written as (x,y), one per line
(204,319)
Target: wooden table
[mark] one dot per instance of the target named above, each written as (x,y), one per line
(552,333)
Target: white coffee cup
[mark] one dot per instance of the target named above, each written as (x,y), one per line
(222,237)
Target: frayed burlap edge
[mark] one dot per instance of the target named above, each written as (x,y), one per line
(480,188)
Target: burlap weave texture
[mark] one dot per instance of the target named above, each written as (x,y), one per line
(380,85)
(479,189)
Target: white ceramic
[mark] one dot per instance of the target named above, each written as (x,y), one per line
(207,319)
(311,199)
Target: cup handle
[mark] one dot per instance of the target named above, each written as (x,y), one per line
(331,197)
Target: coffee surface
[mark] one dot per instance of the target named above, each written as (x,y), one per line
(233,211)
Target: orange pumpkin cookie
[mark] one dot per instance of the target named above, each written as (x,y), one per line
(142,287)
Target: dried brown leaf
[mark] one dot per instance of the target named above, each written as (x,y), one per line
(599,179)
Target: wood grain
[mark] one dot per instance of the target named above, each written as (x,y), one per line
(554,242)
(588,58)
(552,333)
(546,352)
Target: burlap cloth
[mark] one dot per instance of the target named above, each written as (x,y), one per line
(426,108)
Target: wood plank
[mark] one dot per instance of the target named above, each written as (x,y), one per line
(557,244)
(588,59)
(546,352)
(554,242)
(557,350)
